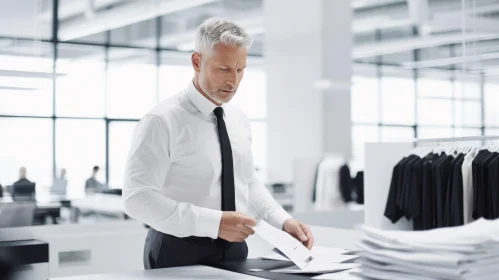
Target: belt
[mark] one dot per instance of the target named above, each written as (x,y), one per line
(207,241)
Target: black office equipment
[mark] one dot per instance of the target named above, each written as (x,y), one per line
(23,191)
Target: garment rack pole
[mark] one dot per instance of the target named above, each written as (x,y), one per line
(457,139)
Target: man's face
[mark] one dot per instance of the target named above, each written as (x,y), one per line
(220,72)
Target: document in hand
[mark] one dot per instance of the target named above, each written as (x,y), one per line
(305,261)
(333,255)
(289,246)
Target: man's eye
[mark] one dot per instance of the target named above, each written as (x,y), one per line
(224,69)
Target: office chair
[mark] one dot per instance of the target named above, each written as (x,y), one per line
(15,214)
(24,191)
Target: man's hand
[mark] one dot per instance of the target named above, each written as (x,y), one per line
(235,227)
(299,231)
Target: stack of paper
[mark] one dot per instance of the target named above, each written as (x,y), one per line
(322,260)
(465,252)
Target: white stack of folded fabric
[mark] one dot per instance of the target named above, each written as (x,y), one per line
(464,252)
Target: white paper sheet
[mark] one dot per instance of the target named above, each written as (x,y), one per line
(329,258)
(288,245)
(317,266)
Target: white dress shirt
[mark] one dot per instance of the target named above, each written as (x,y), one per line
(173,173)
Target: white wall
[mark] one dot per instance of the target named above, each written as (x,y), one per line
(304,44)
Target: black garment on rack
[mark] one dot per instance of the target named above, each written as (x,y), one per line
(454,203)
(426,193)
(392,211)
(442,178)
(358,183)
(403,203)
(483,187)
(414,199)
(477,191)
(494,186)
(345,183)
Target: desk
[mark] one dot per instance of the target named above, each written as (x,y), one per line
(185,273)
(107,204)
(324,236)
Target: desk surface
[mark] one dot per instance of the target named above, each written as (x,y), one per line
(184,273)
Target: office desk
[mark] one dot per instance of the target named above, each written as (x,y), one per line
(184,273)
(324,236)
(107,204)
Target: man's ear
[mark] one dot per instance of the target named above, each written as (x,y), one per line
(196,61)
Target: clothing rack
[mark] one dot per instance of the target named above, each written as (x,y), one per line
(483,140)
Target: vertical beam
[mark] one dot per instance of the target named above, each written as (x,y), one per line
(55,30)
(106,65)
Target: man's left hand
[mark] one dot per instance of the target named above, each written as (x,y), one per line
(299,231)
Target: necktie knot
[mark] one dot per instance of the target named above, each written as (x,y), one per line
(219,112)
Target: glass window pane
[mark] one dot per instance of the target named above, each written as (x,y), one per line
(80,145)
(397,100)
(131,83)
(465,132)
(394,134)
(120,138)
(81,92)
(141,34)
(468,113)
(173,79)
(491,101)
(435,111)
(492,131)
(26,19)
(21,93)
(365,103)
(251,95)
(28,143)
(467,90)
(434,132)
(362,134)
(259,144)
(430,87)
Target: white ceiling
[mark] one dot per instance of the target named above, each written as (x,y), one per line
(437,22)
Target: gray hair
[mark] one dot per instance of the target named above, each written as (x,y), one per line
(216,30)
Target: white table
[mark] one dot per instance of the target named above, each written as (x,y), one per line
(108,204)
(184,273)
(324,236)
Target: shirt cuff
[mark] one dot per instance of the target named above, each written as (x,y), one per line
(278,218)
(208,222)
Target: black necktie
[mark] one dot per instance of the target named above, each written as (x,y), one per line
(228,193)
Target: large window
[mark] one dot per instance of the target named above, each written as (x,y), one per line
(80,145)
(26,143)
(131,83)
(120,137)
(80,92)
(429,107)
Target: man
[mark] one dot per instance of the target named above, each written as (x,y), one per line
(63,174)
(22,177)
(92,185)
(190,173)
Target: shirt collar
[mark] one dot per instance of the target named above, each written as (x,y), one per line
(202,103)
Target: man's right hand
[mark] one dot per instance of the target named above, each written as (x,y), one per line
(235,227)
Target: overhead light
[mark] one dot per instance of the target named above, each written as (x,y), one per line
(29,74)
(17,88)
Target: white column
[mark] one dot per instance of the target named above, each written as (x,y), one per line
(305,42)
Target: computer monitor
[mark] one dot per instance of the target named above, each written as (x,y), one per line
(24,190)
(59,187)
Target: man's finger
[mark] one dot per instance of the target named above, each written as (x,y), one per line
(300,233)
(309,243)
(249,221)
(307,231)
(247,230)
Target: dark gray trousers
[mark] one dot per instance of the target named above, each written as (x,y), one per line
(164,250)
